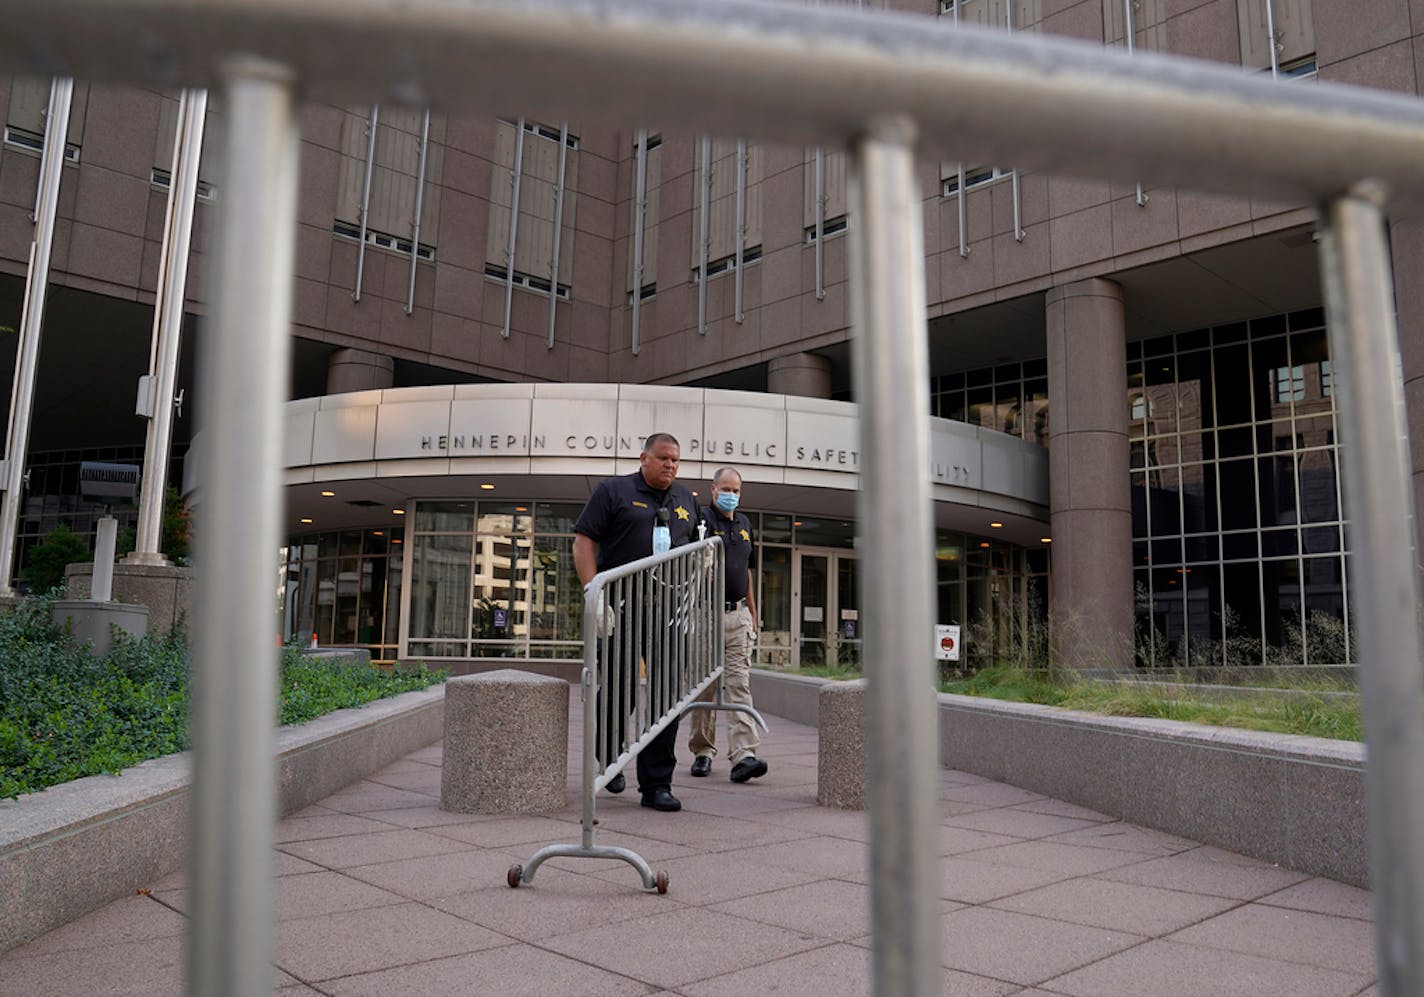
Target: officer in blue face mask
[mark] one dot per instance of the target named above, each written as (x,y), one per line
(739,627)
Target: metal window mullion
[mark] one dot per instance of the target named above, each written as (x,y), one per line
(891,362)
(1129,31)
(963,210)
(1014,173)
(1297,507)
(640,220)
(513,225)
(1256,496)
(371,123)
(419,204)
(705,237)
(1340,519)
(168,322)
(22,394)
(1364,343)
(820,224)
(1271,38)
(558,230)
(742,164)
(245,374)
(472,574)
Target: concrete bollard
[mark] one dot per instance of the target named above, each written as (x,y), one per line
(840,780)
(506,748)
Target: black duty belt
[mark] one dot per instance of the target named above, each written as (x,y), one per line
(732,607)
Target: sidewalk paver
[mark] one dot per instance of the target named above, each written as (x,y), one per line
(379,891)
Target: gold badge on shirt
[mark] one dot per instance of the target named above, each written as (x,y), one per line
(745,535)
(681,512)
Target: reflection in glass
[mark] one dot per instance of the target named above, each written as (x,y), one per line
(348,588)
(1319,487)
(774,606)
(499,607)
(444,517)
(555,599)
(775,528)
(825,532)
(1206,629)
(848,646)
(554,517)
(814,570)
(440,586)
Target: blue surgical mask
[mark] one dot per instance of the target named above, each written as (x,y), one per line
(727,501)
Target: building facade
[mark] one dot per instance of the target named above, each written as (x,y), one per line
(1155,359)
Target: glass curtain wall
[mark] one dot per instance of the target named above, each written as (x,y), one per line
(1238,536)
(494,580)
(1010,398)
(998,594)
(344,588)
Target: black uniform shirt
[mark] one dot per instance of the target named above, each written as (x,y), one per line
(620,513)
(739,553)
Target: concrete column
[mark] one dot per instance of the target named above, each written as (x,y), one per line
(1089,494)
(1407,248)
(357,370)
(803,374)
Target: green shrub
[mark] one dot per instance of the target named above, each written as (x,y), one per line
(46,561)
(65,713)
(314,687)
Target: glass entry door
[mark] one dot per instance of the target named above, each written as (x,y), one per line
(826,609)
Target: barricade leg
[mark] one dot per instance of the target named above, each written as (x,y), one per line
(891,364)
(1364,345)
(680,641)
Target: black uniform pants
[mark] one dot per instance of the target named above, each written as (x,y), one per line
(617,698)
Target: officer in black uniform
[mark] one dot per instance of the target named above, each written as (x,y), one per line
(739,626)
(615,528)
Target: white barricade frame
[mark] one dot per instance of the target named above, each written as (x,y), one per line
(653,644)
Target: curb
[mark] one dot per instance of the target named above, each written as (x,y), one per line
(72,848)
(1282,798)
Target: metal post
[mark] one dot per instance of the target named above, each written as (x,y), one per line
(704,241)
(168,324)
(22,394)
(963,206)
(513,224)
(245,362)
(891,364)
(741,224)
(1364,352)
(366,196)
(1129,30)
(419,205)
(820,224)
(1014,174)
(640,221)
(1271,38)
(558,229)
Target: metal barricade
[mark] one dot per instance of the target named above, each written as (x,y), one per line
(652,639)
(876,85)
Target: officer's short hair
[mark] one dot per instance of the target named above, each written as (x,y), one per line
(722,472)
(656,438)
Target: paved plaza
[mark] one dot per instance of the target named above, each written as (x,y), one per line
(379,891)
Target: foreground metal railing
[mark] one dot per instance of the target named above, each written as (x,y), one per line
(886,87)
(652,637)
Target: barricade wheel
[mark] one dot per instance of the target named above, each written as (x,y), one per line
(662,882)
(513,876)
